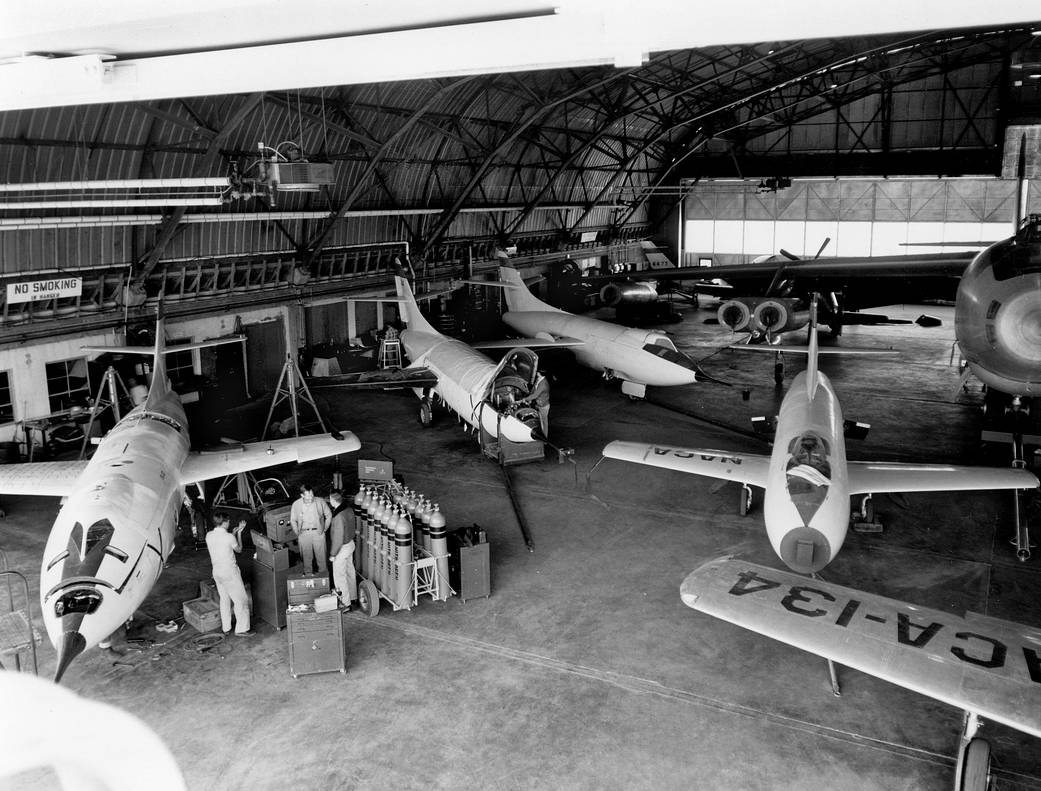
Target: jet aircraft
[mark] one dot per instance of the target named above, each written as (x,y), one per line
(807,478)
(637,357)
(502,399)
(116,529)
(987,667)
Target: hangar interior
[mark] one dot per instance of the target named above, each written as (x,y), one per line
(275,214)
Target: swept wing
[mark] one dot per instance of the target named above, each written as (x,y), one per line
(743,467)
(982,665)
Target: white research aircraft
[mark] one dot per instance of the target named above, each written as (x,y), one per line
(117,525)
(500,398)
(807,478)
(637,357)
(987,667)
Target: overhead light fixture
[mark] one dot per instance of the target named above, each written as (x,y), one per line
(111,193)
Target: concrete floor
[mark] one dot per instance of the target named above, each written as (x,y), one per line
(583,670)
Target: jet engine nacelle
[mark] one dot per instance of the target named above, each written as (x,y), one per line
(997,317)
(615,294)
(737,314)
(779,315)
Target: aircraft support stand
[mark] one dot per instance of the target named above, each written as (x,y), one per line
(292,387)
(1022,537)
(833,673)
(112,383)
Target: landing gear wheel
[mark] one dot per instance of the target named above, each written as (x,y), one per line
(426,413)
(975,774)
(779,373)
(867,510)
(744,505)
(368,598)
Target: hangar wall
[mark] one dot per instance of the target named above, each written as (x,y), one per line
(25,367)
(924,206)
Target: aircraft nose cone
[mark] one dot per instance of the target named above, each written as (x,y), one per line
(72,645)
(805,550)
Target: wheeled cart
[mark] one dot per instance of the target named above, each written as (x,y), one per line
(316,642)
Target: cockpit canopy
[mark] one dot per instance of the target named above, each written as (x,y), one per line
(663,347)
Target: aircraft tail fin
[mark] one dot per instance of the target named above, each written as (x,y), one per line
(812,378)
(518,297)
(160,385)
(410,309)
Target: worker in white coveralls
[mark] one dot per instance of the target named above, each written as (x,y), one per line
(310,517)
(341,549)
(223,546)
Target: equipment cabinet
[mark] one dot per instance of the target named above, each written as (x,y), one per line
(269,594)
(469,570)
(316,642)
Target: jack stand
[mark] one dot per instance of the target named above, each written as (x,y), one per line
(833,674)
(292,387)
(1022,537)
(112,383)
(244,482)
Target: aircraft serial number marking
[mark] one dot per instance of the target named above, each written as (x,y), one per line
(686,454)
(967,646)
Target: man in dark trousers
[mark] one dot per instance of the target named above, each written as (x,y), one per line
(341,548)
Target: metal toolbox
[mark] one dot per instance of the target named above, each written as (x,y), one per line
(305,588)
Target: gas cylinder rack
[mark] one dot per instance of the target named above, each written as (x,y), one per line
(401,547)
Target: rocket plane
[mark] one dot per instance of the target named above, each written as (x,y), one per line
(115,531)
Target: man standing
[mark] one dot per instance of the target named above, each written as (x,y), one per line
(310,518)
(341,548)
(222,547)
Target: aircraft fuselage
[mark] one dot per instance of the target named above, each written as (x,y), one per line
(610,347)
(464,381)
(114,532)
(998,313)
(806,507)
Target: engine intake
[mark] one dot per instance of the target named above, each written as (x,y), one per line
(615,294)
(779,315)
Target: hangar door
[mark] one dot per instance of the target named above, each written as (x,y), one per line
(265,355)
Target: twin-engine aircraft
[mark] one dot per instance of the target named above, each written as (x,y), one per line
(116,528)
(807,478)
(987,667)
(636,357)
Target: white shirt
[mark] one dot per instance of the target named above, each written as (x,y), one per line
(221,546)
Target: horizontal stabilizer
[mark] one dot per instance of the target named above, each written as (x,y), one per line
(180,347)
(854,429)
(204,465)
(990,668)
(382,379)
(851,350)
(742,467)
(530,343)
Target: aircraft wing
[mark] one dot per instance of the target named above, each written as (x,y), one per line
(743,467)
(923,265)
(54,478)
(548,342)
(248,456)
(975,663)
(876,477)
(379,379)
